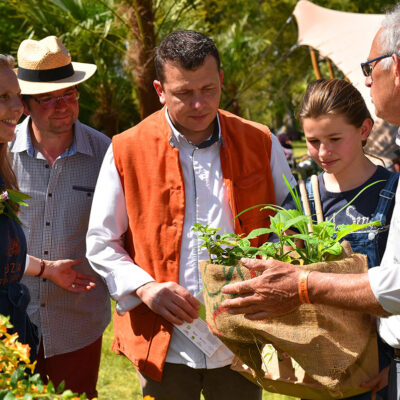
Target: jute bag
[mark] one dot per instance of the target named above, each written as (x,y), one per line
(315,352)
(318,352)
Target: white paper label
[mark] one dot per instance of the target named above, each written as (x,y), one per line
(198,332)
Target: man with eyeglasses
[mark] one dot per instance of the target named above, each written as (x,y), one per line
(57,159)
(277,290)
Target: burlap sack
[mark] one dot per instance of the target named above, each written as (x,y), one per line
(335,348)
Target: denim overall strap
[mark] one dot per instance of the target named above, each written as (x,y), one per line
(367,241)
(310,195)
(386,196)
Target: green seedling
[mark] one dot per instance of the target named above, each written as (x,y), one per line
(321,243)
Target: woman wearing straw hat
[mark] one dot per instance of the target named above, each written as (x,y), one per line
(14,296)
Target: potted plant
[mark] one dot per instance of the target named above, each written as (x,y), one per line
(315,352)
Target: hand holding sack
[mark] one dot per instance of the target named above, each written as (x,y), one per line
(315,352)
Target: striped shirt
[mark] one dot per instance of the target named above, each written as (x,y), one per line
(55,225)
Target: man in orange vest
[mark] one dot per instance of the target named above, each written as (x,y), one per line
(189,162)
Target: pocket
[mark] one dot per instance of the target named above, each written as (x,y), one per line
(80,201)
(89,190)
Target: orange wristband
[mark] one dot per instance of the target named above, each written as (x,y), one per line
(303,290)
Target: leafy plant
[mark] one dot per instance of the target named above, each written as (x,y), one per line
(10,201)
(320,241)
(15,381)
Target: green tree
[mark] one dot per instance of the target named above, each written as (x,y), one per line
(149,22)
(91,33)
(265,71)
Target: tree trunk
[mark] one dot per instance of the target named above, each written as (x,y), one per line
(107,115)
(141,52)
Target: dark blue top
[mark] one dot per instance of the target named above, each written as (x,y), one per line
(14,296)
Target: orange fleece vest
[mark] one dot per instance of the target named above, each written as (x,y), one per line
(153,184)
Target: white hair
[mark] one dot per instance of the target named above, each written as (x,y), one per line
(7,61)
(389,39)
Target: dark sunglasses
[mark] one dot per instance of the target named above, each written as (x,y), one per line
(367,68)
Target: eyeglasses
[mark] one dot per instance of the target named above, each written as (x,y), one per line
(367,68)
(50,102)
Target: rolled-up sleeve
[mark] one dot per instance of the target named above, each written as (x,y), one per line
(385,284)
(107,226)
(385,280)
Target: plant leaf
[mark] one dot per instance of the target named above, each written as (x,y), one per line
(295,195)
(355,197)
(335,249)
(344,230)
(255,233)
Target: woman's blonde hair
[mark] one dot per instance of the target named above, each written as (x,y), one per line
(335,97)
(6,170)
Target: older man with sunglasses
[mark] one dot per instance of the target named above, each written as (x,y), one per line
(57,160)
(280,288)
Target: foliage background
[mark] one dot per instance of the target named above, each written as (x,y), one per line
(265,71)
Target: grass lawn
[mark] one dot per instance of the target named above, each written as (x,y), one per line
(118,379)
(299,147)
(117,376)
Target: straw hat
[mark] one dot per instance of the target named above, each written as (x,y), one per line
(45,66)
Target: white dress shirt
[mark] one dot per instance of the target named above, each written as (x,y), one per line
(385,281)
(206,203)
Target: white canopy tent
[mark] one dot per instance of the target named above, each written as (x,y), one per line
(343,37)
(346,39)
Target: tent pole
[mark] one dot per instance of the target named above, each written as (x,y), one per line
(315,62)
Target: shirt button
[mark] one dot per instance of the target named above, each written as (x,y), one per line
(47,166)
(43,305)
(50,194)
(47,223)
(46,252)
(44,279)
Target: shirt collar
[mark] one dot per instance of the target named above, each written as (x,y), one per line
(81,139)
(178,138)
(23,141)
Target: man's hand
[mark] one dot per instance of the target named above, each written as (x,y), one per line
(63,275)
(273,293)
(170,300)
(378,382)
